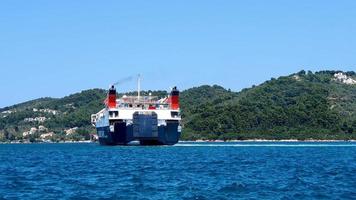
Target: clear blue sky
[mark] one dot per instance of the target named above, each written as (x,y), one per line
(55,48)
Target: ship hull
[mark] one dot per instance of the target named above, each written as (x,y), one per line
(147,132)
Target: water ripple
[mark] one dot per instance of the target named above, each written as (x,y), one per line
(184,171)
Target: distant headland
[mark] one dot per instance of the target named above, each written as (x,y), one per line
(310,106)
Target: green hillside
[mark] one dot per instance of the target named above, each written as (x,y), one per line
(304,105)
(299,106)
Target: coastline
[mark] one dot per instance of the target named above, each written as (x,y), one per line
(265,140)
(262,140)
(181,141)
(47,142)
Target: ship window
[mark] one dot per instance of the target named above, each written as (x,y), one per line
(113,114)
(175,114)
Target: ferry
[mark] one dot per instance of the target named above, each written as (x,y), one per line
(146,119)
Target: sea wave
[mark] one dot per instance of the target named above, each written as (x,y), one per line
(243,170)
(265,145)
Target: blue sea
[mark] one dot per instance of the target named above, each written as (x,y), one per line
(246,170)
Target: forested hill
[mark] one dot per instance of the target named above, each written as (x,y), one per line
(304,105)
(299,106)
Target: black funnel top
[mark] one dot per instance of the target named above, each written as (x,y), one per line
(175,91)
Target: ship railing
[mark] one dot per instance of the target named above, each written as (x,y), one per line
(149,106)
(94,117)
(144,99)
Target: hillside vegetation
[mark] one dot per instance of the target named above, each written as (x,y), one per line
(301,106)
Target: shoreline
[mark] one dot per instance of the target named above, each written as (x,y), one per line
(181,141)
(47,142)
(262,140)
(265,140)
